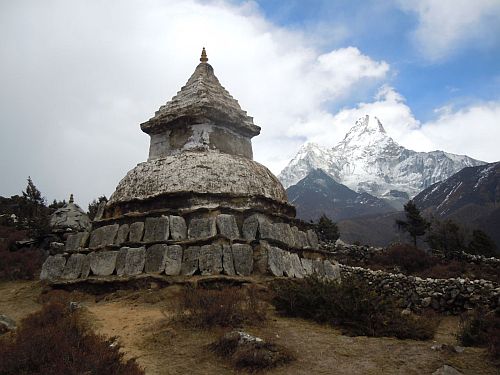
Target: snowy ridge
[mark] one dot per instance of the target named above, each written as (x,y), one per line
(369,160)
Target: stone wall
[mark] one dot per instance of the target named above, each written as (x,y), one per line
(444,295)
(208,244)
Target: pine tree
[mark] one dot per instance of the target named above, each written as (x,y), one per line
(481,244)
(447,237)
(94,206)
(414,224)
(34,213)
(327,230)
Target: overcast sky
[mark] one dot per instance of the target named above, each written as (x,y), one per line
(78,77)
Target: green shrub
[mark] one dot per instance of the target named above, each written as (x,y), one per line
(482,328)
(54,341)
(352,305)
(225,307)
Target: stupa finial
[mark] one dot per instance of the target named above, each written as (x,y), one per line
(203,57)
(71,198)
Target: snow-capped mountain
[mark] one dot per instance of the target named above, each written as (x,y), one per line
(369,160)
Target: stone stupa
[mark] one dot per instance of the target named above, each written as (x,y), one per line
(198,205)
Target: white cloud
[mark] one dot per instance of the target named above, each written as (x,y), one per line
(445,26)
(74,89)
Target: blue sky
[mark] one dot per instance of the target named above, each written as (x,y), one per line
(75,89)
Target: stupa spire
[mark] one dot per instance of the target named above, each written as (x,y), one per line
(203,57)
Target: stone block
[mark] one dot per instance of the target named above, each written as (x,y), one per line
(190,260)
(85,268)
(102,263)
(227,260)
(318,268)
(173,260)
(73,267)
(332,270)
(257,226)
(243,259)
(299,238)
(275,261)
(122,234)
(312,238)
(227,226)
(136,231)
(120,261)
(156,229)
(210,260)
(260,258)
(178,228)
(135,260)
(307,266)
(287,265)
(76,241)
(203,227)
(53,267)
(296,266)
(103,236)
(155,258)
(281,232)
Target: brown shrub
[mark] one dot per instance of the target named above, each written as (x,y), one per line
(407,258)
(54,341)
(226,307)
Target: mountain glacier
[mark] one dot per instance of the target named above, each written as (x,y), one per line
(369,160)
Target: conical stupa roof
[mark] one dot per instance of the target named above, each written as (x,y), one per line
(203,99)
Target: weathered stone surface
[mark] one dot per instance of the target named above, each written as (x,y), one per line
(312,238)
(6,324)
(447,370)
(53,267)
(173,260)
(85,268)
(318,267)
(178,228)
(210,260)
(227,226)
(299,238)
(122,234)
(307,266)
(76,241)
(281,232)
(257,226)
(202,227)
(155,258)
(120,261)
(190,260)
(136,231)
(102,263)
(243,259)
(287,265)
(227,260)
(135,260)
(260,258)
(275,258)
(70,217)
(103,236)
(296,266)
(156,229)
(332,270)
(73,267)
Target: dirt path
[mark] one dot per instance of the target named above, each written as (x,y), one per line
(141,322)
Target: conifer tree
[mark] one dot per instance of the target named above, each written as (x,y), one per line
(481,244)
(414,224)
(327,230)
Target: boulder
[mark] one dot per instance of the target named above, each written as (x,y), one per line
(156,229)
(173,260)
(178,228)
(136,231)
(155,258)
(135,260)
(256,226)
(447,370)
(312,238)
(102,263)
(53,267)
(307,266)
(227,260)
(76,241)
(73,267)
(243,259)
(120,261)
(122,234)
(203,227)
(6,324)
(190,260)
(103,236)
(227,226)
(275,258)
(210,260)
(332,270)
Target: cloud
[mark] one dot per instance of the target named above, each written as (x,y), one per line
(447,26)
(75,89)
